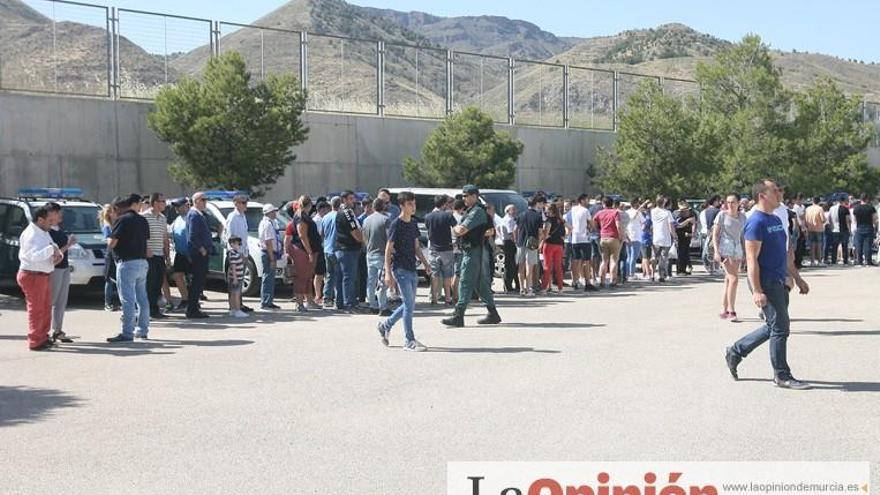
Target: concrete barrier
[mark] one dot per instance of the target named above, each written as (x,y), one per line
(106,148)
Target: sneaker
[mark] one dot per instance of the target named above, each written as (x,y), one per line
(590,288)
(732,317)
(329,304)
(169,307)
(269,307)
(238,314)
(301,308)
(791,383)
(414,346)
(385,312)
(141,336)
(119,338)
(724,315)
(383,332)
(575,286)
(45,346)
(732,362)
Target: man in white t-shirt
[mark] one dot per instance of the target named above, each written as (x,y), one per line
(581,247)
(663,228)
(634,227)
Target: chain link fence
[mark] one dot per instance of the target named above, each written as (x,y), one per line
(55,47)
(68,47)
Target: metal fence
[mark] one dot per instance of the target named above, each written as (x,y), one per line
(67,47)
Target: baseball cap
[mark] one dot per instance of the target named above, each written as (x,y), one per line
(269,208)
(470,189)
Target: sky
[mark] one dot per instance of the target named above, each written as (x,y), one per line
(844,28)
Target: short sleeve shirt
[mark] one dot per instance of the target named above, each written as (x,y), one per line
(439,224)
(580,224)
(404,235)
(476,217)
(268,233)
(864,214)
(376,232)
(60,237)
(158,231)
(131,232)
(607,219)
(773,257)
(528,224)
(346,224)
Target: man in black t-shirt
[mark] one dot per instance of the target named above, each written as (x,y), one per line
(528,227)
(439,224)
(349,240)
(865,229)
(128,240)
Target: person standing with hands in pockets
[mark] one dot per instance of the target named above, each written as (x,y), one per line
(400,260)
(769,264)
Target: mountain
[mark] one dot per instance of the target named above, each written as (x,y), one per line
(491,35)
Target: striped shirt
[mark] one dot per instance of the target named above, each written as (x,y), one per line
(158,231)
(234,266)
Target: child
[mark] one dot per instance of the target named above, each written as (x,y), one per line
(234,274)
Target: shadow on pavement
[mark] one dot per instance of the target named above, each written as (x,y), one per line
(143,347)
(838,333)
(549,326)
(827,320)
(20,405)
(821,385)
(491,350)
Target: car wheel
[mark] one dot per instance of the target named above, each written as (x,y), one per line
(499,263)
(250,283)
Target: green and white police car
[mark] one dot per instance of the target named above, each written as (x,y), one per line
(79,217)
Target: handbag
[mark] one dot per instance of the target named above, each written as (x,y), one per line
(532,242)
(289,271)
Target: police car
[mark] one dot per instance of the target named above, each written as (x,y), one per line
(79,217)
(219,207)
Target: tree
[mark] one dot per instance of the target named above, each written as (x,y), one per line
(655,150)
(829,140)
(465,149)
(227,131)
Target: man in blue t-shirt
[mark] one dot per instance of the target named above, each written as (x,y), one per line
(769,263)
(401,252)
(328,230)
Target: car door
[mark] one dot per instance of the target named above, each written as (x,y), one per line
(4,248)
(215,262)
(16,222)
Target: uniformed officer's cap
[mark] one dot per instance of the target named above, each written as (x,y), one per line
(470,189)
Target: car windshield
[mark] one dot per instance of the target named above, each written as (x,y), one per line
(254,215)
(501,200)
(80,219)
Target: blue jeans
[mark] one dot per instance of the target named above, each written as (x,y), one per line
(633,251)
(375,261)
(407,281)
(330,277)
(775,329)
(131,281)
(348,265)
(863,242)
(267,287)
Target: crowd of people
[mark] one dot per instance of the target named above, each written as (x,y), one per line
(363,257)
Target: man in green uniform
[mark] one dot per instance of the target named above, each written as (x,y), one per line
(475,249)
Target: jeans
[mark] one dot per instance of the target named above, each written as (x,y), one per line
(840,239)
(331,278)
(511,280)
(199,270)
(775,329)
(407,282)
(267,285)
(155,276)
(375,262)
(348,265)
(131,279)
(864,240)
(661,257)
(633,250)
(362,277)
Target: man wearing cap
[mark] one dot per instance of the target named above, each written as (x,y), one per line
(270,242)
(474,276)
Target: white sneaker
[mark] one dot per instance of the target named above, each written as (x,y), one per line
(238,314)
(414,346)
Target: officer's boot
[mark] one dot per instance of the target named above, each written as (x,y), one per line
(493,318)
(456,320)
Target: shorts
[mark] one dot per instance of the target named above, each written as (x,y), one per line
(456,262)
(582,251)
(442,263)
(181,264)
(610,247)
(526,255)
(816,237)
(647,251)
(730,249)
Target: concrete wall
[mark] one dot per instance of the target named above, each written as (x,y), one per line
(106,148)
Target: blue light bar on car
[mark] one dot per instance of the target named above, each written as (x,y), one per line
(50,192)
(223,195)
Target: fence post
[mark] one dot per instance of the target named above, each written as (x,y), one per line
(615,103)
(380,78)
(304,61)
(116,54)
(565,96)
(215,38)
(511,90)
(450,73)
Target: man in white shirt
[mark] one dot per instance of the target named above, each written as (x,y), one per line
(271,246)
(505,233)
(38,256)
(581,245)
(236,224)
(663,226)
